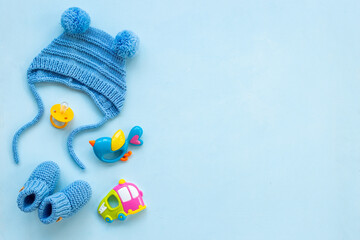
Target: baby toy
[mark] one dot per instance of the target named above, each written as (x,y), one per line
(61,113)
(114,149)
(123,200)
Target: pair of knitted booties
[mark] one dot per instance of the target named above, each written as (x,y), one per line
(38,193)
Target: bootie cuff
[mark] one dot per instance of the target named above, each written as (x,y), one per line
(32,194)
(54,208)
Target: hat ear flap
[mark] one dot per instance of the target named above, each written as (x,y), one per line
(75,20)
(126,44)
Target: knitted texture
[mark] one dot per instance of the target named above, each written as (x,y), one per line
(86,59)
(75,20)
(29,124)
(40,184)
(65,203)
(126,44)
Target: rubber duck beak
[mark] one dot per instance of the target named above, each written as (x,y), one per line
(92,142)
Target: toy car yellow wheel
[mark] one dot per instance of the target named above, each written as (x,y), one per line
(121,216)
(108,219)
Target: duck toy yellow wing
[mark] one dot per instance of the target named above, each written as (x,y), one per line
(116,148)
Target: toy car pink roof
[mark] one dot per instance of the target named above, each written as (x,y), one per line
(134,202)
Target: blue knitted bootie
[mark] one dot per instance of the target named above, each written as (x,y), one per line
(40,184)
(65,203)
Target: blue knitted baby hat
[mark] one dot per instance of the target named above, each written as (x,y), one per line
(65,203)
(40,184)
(86,59)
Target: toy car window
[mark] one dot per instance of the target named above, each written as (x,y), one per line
(112,201)
(124,194)
(134,191)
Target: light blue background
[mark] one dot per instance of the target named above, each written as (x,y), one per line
(250,111)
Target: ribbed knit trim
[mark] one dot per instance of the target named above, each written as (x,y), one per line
(54,207)
(31,196)
(81,75)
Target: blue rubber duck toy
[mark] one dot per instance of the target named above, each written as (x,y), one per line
(116,148)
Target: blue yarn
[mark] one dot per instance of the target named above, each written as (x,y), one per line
(40,184)
(83,59)
(29,124)
(65,203)
(75,20)
(75,132)
(126,44)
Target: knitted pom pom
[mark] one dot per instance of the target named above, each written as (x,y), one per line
(126,44)
(75,20)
